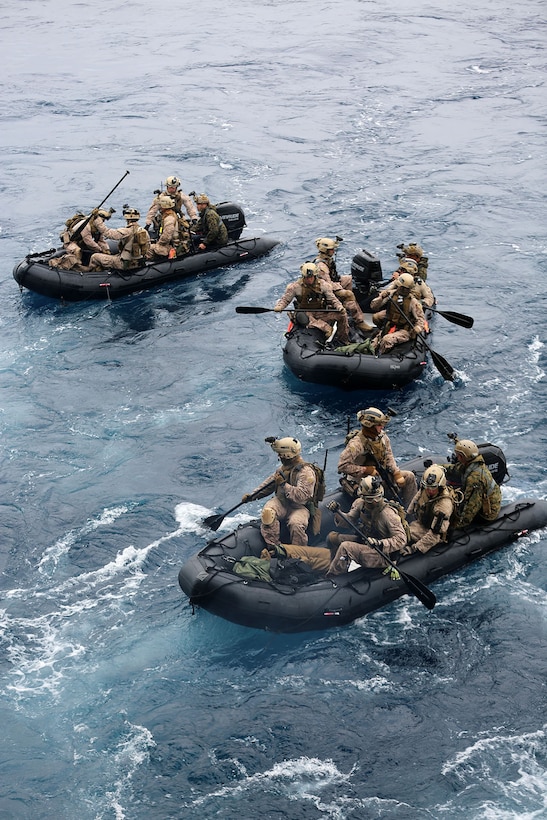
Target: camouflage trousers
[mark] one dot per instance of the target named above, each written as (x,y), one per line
(296,519)
(353,551)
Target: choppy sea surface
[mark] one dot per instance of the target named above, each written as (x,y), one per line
(124,424)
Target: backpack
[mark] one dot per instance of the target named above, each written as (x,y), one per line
(256,569)
(292,571)
(318,495)
(320,485)
(73,220)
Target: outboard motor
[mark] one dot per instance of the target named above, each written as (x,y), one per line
(494,459)
(233,217)
(366,271)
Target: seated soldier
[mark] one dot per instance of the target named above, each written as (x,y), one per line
(481,494)
(380,524)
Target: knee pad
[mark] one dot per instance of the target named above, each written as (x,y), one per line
(267,516)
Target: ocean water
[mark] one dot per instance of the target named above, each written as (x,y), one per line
(124,424)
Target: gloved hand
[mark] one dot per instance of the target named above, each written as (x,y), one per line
(408,549)
(398,478)
(417,329)
(279,479)
(370,470)
(332,506)
(278,309)
(246,498)
(95,212)
(374,542)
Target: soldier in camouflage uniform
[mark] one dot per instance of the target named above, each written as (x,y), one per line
(294,486)
(133,244)
(312,294)
(90,239)
(370,445)
(180,200)
(211,231)
(380,523)
(404,315)
(342,286)
(481,494)
(168,240)
(415,252)
(433,505)
(420,290)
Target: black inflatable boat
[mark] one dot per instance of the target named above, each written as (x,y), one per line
(311,360)
(34,273)
(209,581)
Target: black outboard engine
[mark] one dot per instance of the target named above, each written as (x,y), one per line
(233,217)
(494,459)
(366,271)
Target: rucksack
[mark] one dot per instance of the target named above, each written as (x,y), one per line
(73,220)
(256,569)
(320,485)
(292,571)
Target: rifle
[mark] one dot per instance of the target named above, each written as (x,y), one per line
(77,233)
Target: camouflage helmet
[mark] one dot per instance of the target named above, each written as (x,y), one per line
(172,182)
(370,488)
(372,417)
(467,448)
(308,269)
(130,213)
(434,478)
(405,280)
(286,447)
(413,249)
(325,244)
(165,201)
(408,265)
(202,199)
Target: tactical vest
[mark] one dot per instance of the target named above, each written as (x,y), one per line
(202,227)
(164,214)
(492,498)
(330,262)
(133,247)
(368,524)
(311,299)
(425,506)
(375,448)
(394,317)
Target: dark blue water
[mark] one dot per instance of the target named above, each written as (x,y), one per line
(124,424)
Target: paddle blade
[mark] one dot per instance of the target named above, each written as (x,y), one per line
(457,318)
(251,309)
(445,369)
(213,522)
(422,593)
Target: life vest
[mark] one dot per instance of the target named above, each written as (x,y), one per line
(311,298)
